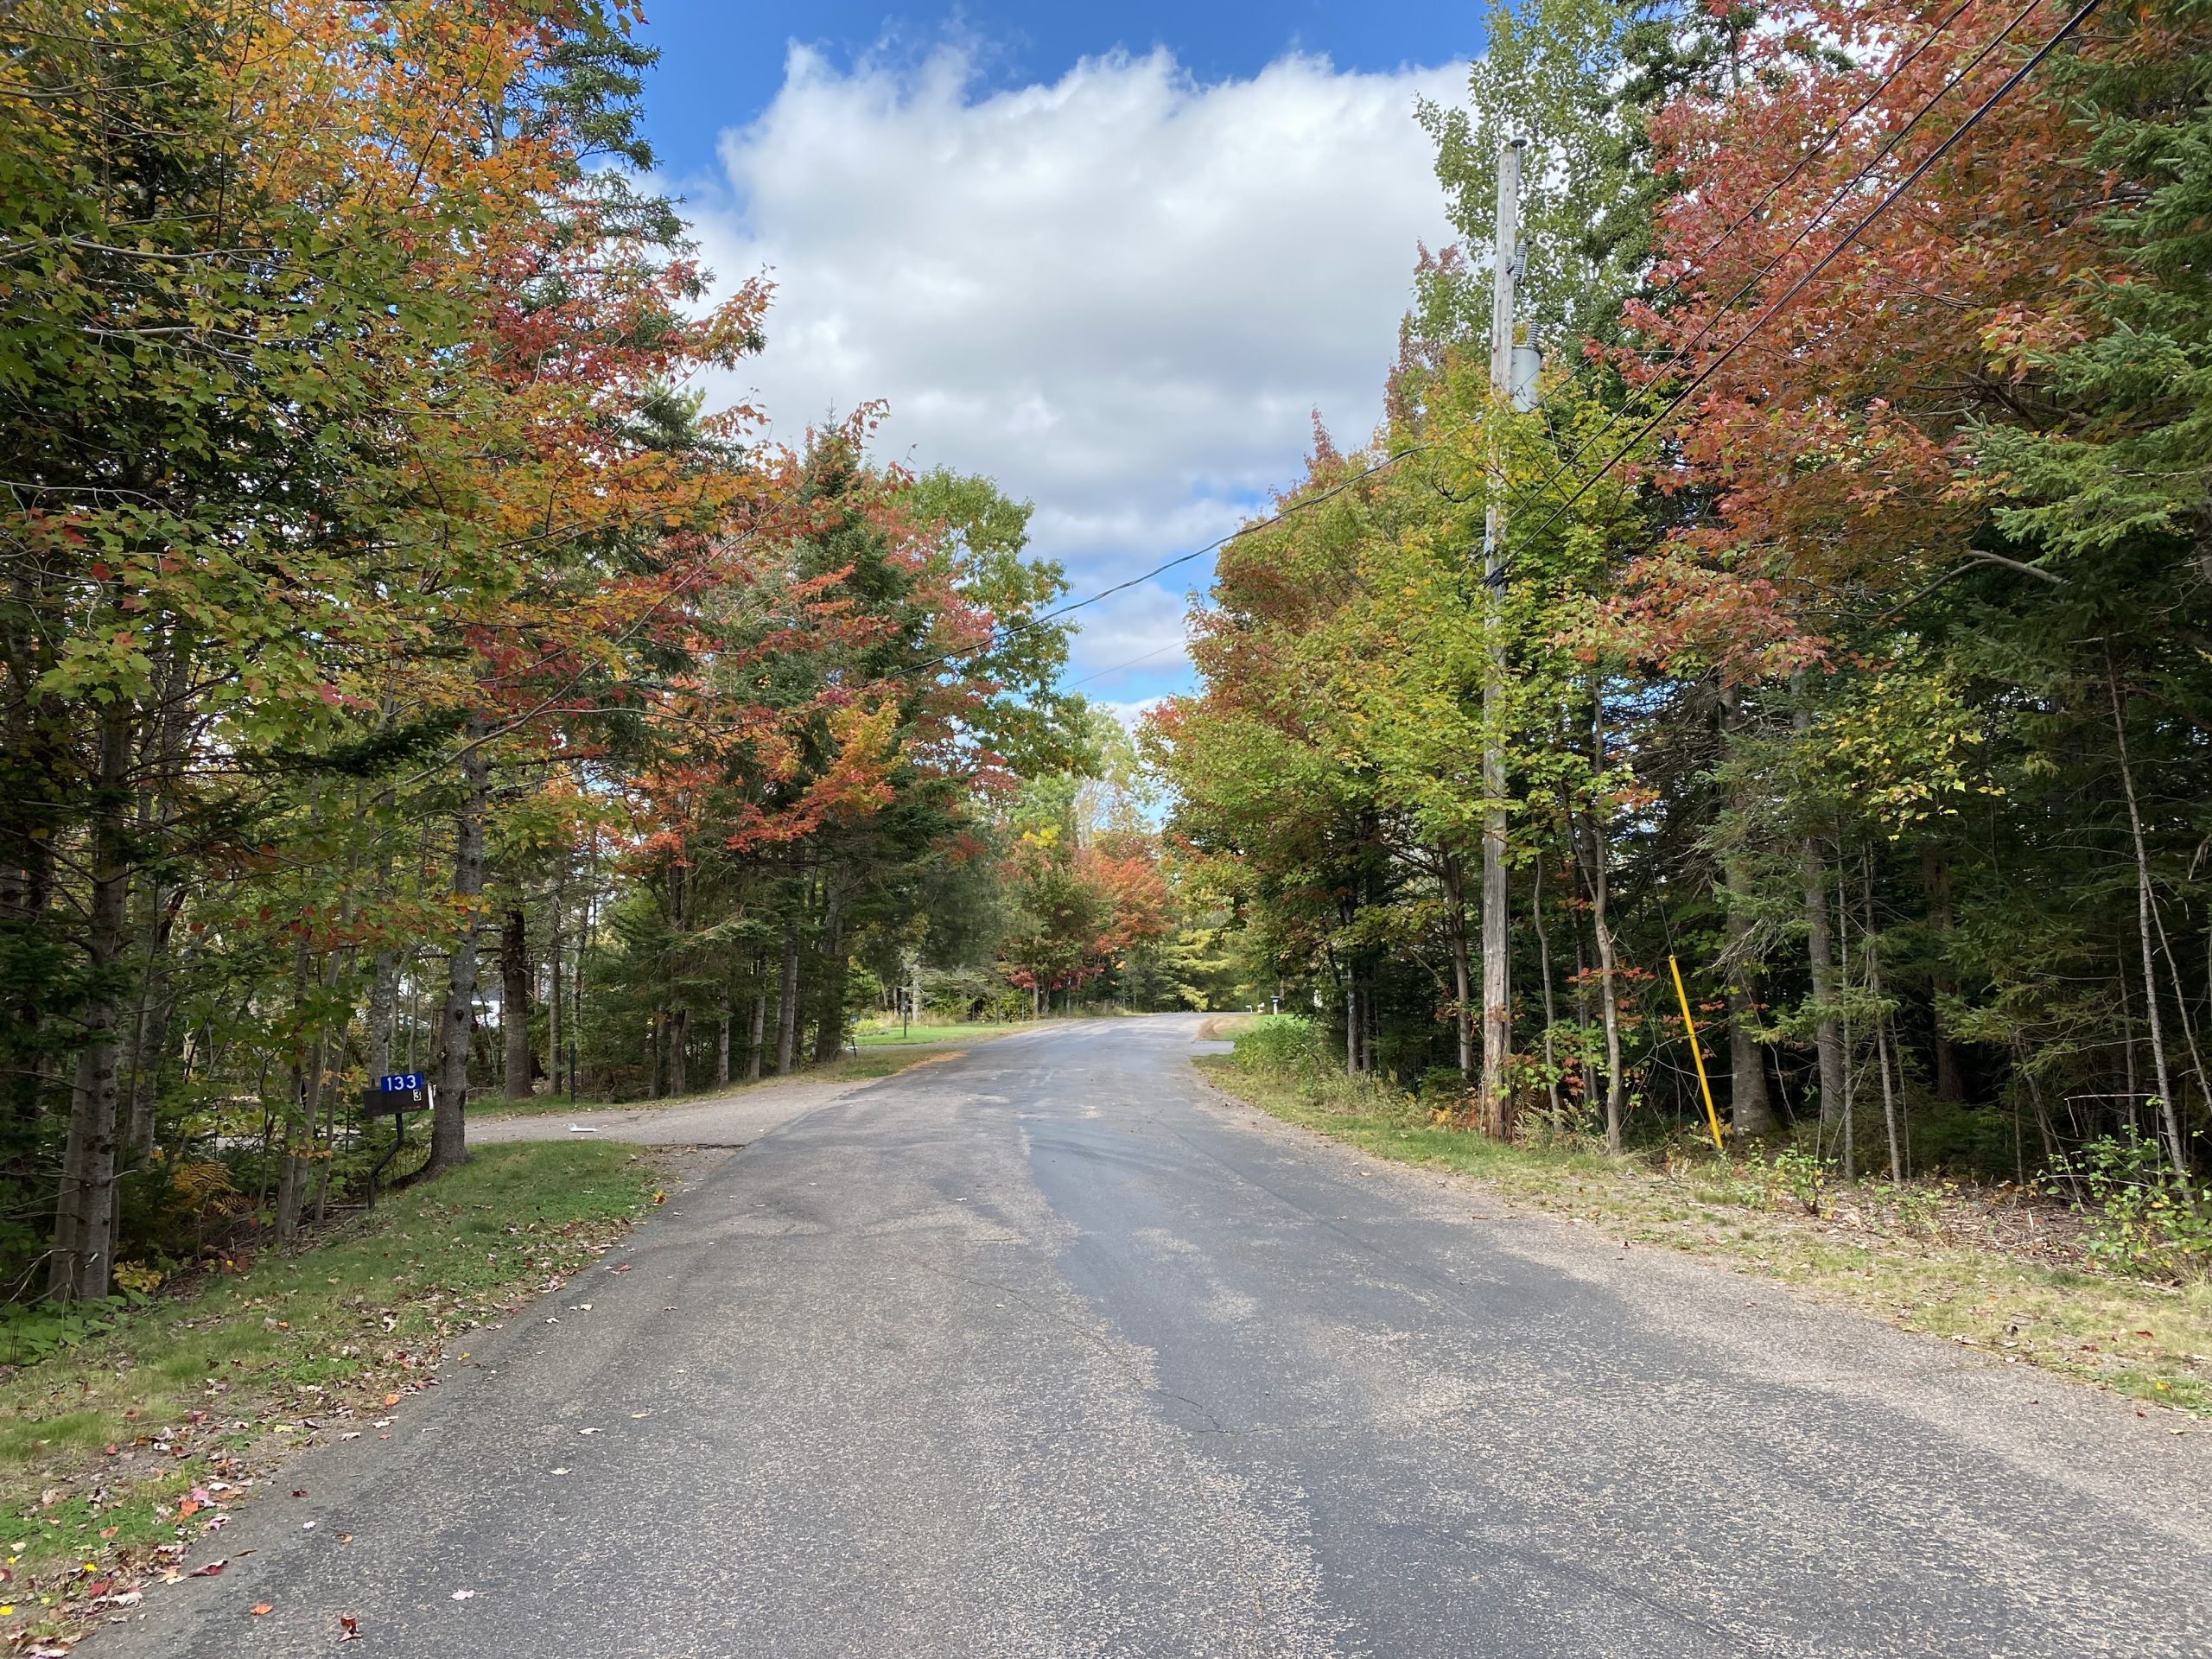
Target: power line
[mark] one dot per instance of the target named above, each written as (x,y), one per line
(1840,194)
(1796,287)
(1304,503)
(1819,148)
(1158,651)
(1301,504)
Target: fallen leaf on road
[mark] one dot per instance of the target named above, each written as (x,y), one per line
(587,1431)
(391,1399)
(209,1570)
(636,1415)
(464,1595)
(259,1608)
(345,1537)
(560,1471)
(299,1492)
(349,1628)
(189,1507)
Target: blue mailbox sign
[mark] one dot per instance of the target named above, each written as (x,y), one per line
(400,1091)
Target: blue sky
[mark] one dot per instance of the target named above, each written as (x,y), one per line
(1117,257)
(722,63)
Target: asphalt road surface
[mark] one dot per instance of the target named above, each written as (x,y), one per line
(1049,1351)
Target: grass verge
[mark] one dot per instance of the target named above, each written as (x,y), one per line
(890,1036)
(2004,1275)
(117,1454)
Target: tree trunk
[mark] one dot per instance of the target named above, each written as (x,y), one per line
(1599,881)
(514,1000)
(149,1043)
(1497,919)
(1820,956)
(384,1004)
(787,1004)
(1872,946)
(83,1237)
(1455,924)
(448,1120)
(1544,970)
(830,1035)
(26,897)
(2147,929)
(1843,955)
(753,1049)
(1935,882)
(722,1046)
(298,1160)
(556,938)
(679,1052)
(1750,1110)
(1608,966)
(1819,948)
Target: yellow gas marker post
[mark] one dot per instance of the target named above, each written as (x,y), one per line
(1698,1055)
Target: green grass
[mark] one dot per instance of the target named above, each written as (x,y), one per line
(1918,1258)
(872,1036)
(100,1444)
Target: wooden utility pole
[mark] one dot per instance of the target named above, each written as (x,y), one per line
(1497,1031)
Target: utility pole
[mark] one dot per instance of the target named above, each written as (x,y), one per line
(1498,1025)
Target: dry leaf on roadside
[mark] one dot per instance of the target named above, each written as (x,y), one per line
(259,1608)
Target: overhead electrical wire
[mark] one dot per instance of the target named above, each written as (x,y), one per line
(1405,452)
(1836,197)
(1919,171)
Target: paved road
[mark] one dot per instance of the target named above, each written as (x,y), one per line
(1047,1351)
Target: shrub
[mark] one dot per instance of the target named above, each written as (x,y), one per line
(1278,1042)
(1803,1176)
(2142,1219)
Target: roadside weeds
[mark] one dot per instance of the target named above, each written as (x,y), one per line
(2005,1277)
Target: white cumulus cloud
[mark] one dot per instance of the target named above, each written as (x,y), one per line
(1122,295)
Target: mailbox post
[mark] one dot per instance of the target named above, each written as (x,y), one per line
(398,1093)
